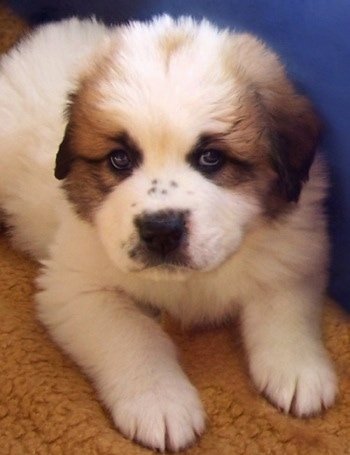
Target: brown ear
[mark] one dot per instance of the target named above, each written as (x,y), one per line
(291,123)
(294,133)
(64,157)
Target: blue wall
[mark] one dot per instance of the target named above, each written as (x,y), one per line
(313,39)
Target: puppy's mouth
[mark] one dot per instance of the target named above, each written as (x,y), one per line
(174,261)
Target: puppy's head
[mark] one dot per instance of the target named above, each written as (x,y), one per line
(180,139)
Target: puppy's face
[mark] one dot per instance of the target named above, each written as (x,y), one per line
(180,140)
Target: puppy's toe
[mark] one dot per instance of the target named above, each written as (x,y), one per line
(302,387)
(162,418)
(316,388)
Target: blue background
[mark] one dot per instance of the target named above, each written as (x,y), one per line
(313,39)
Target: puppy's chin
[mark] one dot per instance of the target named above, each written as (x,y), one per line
(157,269)
(164,273)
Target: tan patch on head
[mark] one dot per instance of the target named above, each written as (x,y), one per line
(90,131)
(245,146)
(91,136)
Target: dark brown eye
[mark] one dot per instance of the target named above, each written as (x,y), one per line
(210,160)
(121,160)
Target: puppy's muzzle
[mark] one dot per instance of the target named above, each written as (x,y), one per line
(162,232)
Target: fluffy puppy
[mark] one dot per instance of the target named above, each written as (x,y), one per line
(185,182)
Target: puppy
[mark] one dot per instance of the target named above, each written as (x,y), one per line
(186,181)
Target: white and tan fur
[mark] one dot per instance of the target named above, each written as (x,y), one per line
(173,97)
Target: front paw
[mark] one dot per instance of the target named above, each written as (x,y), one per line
(301,384)
(165,417)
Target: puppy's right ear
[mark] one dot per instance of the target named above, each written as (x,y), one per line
(64,157)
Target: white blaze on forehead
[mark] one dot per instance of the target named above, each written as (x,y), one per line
(168,77)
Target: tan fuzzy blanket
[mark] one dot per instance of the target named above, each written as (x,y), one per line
(47,407)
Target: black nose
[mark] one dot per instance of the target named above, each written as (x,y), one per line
(162,232)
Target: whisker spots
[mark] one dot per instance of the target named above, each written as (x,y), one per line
(163,189)
(152,190)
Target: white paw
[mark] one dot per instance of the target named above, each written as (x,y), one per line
(302,385)
(163,418)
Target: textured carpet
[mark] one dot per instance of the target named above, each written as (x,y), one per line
(47,407)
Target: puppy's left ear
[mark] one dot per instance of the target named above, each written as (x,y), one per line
(294,136)
(291,123)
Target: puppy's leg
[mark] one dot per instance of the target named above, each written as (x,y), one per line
(131,361)
(287,359)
